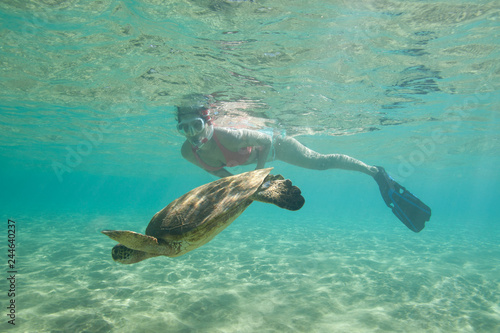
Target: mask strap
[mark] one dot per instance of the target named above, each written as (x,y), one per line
(206,115)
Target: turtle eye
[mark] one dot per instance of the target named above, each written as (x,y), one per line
(115,254)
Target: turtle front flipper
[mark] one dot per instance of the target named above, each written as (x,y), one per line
(134,240)
(281,193)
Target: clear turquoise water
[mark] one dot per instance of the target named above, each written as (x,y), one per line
(88,142)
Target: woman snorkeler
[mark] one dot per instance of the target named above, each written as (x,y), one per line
(216,148)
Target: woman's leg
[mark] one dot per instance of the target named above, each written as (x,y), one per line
(293,152)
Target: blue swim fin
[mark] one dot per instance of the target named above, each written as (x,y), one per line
(407,207)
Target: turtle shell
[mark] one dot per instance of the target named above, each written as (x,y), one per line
(220,199)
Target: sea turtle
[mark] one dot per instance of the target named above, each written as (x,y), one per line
(199,215)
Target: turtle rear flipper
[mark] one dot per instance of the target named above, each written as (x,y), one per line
(281,193)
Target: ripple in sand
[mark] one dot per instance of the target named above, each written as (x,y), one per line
(256,277)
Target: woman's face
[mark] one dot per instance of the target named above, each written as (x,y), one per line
(191,126)
(194,127)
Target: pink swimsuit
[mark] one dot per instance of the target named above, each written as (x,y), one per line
(233,158)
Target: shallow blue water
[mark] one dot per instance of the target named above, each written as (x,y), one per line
(88,142)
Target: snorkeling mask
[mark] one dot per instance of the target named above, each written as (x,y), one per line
(197,130)
(191,127)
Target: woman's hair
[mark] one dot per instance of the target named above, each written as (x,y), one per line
(193,105)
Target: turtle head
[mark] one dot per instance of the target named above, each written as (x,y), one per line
(125,255)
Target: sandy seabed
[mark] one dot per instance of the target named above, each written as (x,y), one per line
(256,277)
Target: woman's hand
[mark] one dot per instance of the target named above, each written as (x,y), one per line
(262,153)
